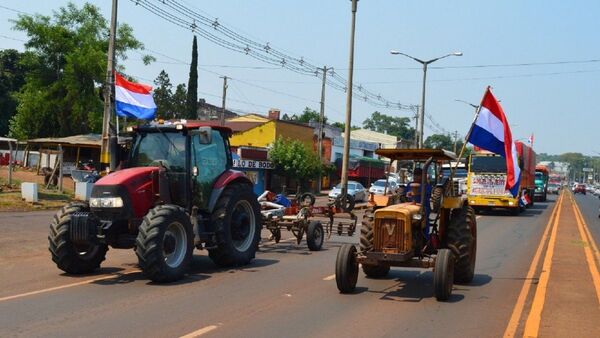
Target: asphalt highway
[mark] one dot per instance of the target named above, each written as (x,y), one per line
(289,291)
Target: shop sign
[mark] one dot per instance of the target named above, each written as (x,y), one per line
(253,164)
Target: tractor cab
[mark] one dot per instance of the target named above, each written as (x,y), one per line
(428,224)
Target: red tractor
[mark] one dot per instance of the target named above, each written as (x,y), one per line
(176,191)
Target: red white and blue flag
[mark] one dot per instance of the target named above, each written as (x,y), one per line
(491,132)
(133,100)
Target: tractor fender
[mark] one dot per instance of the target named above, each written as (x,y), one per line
(226,179)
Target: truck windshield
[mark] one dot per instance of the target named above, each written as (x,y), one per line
(488,164)
(539,176)
(150,148)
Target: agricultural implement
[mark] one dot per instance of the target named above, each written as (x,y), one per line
(303,217)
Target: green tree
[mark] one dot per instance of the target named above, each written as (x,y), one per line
(179,102)
(439,141)
(67,63)
(192,92)
(341,126)
(163,95)
(309,115)
(295,160)
(12,78)
(396,126)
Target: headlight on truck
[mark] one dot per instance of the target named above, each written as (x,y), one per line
(106,202)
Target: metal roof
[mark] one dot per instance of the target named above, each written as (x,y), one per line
(417,154)
(94,140)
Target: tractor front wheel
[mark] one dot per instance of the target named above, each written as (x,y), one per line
(237,222)
(346,268)
(314,236)
(164,243)
(71,257)
(443,274)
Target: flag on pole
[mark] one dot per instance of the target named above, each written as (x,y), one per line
(530,140)
(133,100)
(491,132)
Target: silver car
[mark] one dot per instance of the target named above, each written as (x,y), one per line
(355,189)
(378,187)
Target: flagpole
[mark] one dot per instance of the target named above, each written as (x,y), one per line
(464,146)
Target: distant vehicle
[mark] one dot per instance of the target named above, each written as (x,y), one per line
(378,187)
(355,189)
(553,188)
(460,175)
(541,182)
(580,189)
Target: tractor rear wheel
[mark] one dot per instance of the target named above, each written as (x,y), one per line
(443,274)
(436,199)
(462,234)
(314,236)
(164,243)
(68,256)
(237,221)
(366,231)
(346,268)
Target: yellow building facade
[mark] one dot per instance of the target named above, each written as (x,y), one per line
(265,134)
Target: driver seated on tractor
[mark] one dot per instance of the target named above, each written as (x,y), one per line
(413,194)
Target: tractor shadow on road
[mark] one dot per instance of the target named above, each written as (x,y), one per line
(414,286)
(535,210)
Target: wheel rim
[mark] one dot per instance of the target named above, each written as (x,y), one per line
(86,251)
(243,226)
(174,244)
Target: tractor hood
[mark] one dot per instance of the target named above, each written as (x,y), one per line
(135,189)
(130,177)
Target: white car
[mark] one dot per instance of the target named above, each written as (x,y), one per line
(378,187)
(354,188)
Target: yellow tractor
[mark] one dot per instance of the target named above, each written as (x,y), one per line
(437,231)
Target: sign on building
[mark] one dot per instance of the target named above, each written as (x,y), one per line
(253,164)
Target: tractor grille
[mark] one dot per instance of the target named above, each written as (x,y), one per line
(390,236)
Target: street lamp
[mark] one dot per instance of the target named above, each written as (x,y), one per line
(425,64)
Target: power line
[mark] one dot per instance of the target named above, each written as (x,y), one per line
(214,31)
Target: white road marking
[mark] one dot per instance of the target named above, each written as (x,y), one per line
(332,277)
(200,332)
(89,281)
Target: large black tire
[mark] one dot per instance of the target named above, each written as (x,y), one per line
(366,231)
(462,235)
(346,268)
(346,205)
(315,236)
(443,274)
(237,222)
(69,257)
(436,199)
(165,243)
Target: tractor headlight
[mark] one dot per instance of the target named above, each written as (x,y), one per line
(417,217)
(106,202)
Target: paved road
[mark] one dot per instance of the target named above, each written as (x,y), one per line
(286,292)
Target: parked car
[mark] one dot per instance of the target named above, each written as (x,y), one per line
(378,187)
(580,189)
(355,189)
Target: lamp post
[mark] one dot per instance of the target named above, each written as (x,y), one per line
(425,64)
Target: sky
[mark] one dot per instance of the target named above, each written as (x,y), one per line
(542,58)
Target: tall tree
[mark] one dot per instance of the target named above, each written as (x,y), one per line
(308,115)
(396,126)
(12,78)
(439,141)
(67,62)
(192,91)
(294,159)
(179,102)
(163,95)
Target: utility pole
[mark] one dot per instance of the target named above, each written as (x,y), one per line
(455,139)
(224,99)
(348,106)
(417,128)
(321,123)
(107,155)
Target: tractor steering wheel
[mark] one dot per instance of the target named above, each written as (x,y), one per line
(160,163)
